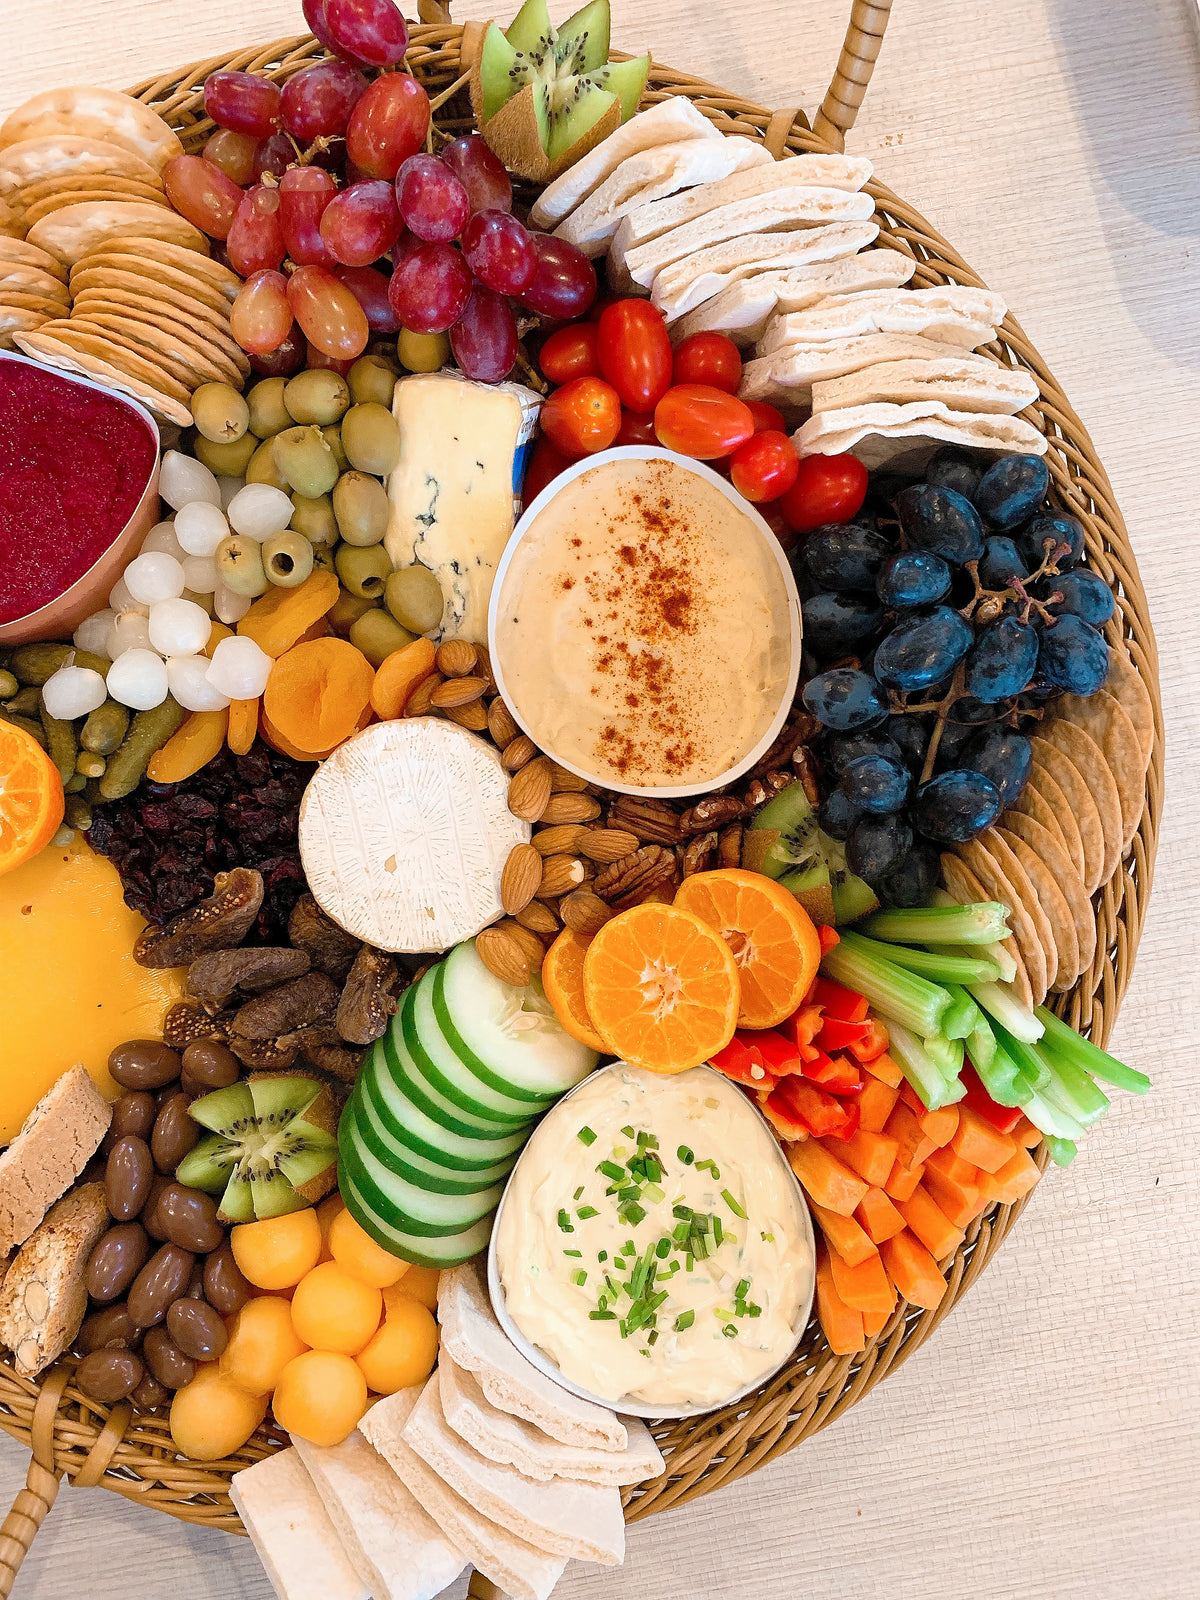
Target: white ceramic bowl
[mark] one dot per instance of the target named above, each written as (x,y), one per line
(756,525)
(636,1408)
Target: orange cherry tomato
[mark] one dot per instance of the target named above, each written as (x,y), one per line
(698,420)
(570,353)
(582,417)
(545,464)
(634,351)
(637,429)
(709,358)
(765,467)
(767,419)
(827,489)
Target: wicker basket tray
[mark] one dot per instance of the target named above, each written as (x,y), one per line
(134,1455)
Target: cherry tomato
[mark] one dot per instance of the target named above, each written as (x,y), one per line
(773,516)
(827,489)
(582,417)
(765,467)
(570,353)
(545,464)
(697,420)
(634,351)
(637,429)
(767,419)
(709,358)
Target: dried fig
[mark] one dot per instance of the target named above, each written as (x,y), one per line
(214,977)
(369,998)
(218,923)
(293,1005)
(330,949)
(324,1048)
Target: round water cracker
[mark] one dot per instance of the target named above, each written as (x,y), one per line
(1054,907)
(59,156)
(101,346)
(986,867)
(1086,756)
(1049,850)
(12,223)
(179,346)
(175,315)
(1105,720)
(17,278)
(1033,802)
(86,183)
(56,354)
(1125,683)
(967,890)
(20,250)
(18,300)
(101,267)
(1014,870)
(155,248)
(1063,785)
(13,320)
(72,232)
(94,113)
(50,203)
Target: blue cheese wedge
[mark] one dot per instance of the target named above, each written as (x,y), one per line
(404,833)
(456,488)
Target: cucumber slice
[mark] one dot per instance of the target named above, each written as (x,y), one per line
(397,1061)
(398,1158)
(436,1058)
(451,1250)
(508,1037)
(406,1205)
(406,1124)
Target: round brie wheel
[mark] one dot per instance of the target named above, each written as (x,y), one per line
(404,832)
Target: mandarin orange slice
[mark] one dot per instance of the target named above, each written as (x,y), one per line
(661,988)
(31,797)
(562,979)
(773,940)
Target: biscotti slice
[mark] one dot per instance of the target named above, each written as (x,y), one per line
(57,1140)
(44,1294)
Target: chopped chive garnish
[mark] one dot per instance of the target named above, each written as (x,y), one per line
(718,1231)
(684,1321)
(702,1222)
(629,1192)
(634,1213)
(730,1330)
(681,1211)
(610,1169)
(586,1136)
(653,1336)
(628,1132)
(754,1311)
(585,1212)
(662,1249)
(602,1255)
(682,1230)
(629,1248)
(691,1262)
(602,1316)
(564,1222)
(768,1238)
(579,1191)
(732,1204)
(651,1141)
(578,1253)
(722,1315)
(742,1290)
(709,1166)
(579,1277)
(654,1194)
(686,1155)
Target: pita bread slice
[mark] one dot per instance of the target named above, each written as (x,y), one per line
(951,314)
(398,1551)
(671,120)
(966,888)
(789,375)
(963,385)
(883,433)
(743,310)
(580,1520)
(291,1530)
(518,1568)
(689,283)
(1124,683)
(653,175)
(1057,776)
(1046,845)
(518,1444)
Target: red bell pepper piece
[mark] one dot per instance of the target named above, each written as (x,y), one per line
(743,1064)
(840,1002)
(786,1124)
(820,1112)
(779,1055)
(872,1044)
(828,937)
(836,1034)
(803,1026)
(1003,1118)
(836,1075)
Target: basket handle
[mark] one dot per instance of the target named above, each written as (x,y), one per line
(860,51)
(33,1502)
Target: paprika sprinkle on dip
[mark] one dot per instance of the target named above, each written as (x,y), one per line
(643,627)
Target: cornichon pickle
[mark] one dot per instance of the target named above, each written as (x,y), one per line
(360,504)
(306,460)
(75,784)
(28,724)
(8,684)
(35,663)
(228,460)
(77,813)
(105,728)
(25,702)
(60,744)
(89,765)
(148,732)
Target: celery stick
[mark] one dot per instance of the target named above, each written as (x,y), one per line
(941,924)
(1002,1078)
(1051,1119)
(898,995)
(1063,1043)
(961,1014)
(1074,1090)
(1062,1151)
(981,1042)
(1000,1003)
(936,965)
(933,1086)
(997,952)
(946,1054)
(1029,1063)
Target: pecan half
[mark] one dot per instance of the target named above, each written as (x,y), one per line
(635,877)
(218,923)
(714,812)
(653,821)
(330,948)
(293,1005)
(800,728)
(369,998)
(212,978)
(697,853)
(805,765)
(766,788)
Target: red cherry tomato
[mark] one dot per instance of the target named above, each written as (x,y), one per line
(582,417)
(545,464)
(634,351)
(709,358)
(570,353)
(637,429)
(697,420)
(765,467)
(827,489)
(767,419)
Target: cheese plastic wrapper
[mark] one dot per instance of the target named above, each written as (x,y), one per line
(456,490)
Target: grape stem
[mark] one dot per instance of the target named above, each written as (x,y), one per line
(955,692)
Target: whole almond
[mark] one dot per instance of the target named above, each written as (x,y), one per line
(607,844)
(517,752)
(419,702)
(501,725)
(483,667)
(503,956)
(560,841)
(528,941)
(529,790)
(560,874)
(471,716)
(456,658)
(521,878)
(538,918)
(570,807)
(584,913)
(456,692)
(562,781)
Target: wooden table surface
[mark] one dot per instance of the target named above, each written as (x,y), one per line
(1046,1442)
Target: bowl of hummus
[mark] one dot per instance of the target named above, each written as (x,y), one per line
(653,1251)
(644,625)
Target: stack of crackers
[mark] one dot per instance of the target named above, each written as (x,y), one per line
(33,289)
(1066,835)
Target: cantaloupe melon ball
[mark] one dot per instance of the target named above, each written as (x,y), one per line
(403,1351)
(355,1250)
(262,1341)
(276,1252)
(329,1208)
(333,1311)
(321,1395)
(418,1283)
(211,1417)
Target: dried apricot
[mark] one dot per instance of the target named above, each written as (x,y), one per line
(243,725)
(399,675)
(193,746)
(282,616)
(317,692)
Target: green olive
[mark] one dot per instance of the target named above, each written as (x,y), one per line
(363,571)
(423,352)
(306,461)
(262,468)
(414,597)
(371,438)
(346,610)
(220,413)
(315,519)
(226,460)
(318,395)
(372,379)
(323,557)
(268,414)
(360,504)
(377,634)
(287,559)
(239,564)
(333,438)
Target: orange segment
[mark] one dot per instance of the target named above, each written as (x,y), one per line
(661,988)
(772,937)
(562,979)
(31,797)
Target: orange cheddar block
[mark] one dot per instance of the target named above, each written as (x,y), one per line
(865,1286)
(878,1217)
(903,1180)
(976,1140)
(875,1104)
(845,1236)
(960,1202)
(1014,1179)
(913,1143)
(825,1179)
(884,1068)
(949,1165)
(871,1155)
(930,1224)
(913,1270)
(840,1323)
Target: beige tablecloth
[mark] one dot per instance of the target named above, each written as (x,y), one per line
(1045,1443)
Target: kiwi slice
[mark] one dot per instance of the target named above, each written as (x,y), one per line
(271,1149)
(785,842)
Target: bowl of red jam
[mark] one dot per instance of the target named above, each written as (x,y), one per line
(78,494)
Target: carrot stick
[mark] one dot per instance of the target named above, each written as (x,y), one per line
(903,1180)
(840,1323)
(884,1068)
(913,1270)
(976,1140)
(845,1236)
(875,1322)
(1026,1135)
(1014,1179)
(940,1125)
(875,1104)
(959,1201)
(934,1229)
(878,1217)
(825,1179)
(871,1155)
(949,1165)
(914,1144)
(866,1286)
